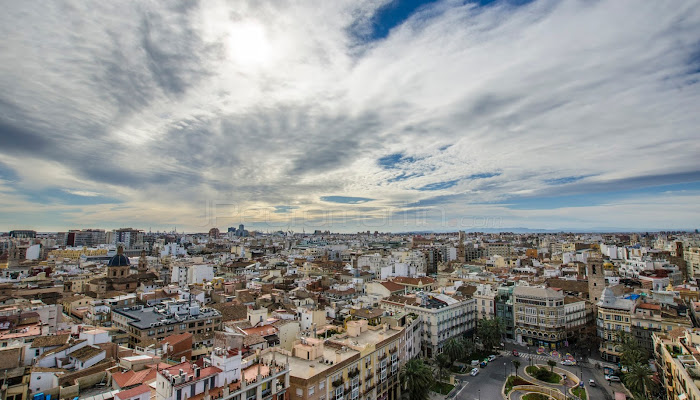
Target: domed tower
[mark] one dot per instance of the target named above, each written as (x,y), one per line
(143,263)
(118,266)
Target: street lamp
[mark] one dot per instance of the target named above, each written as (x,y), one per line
(479,394)
(504,370)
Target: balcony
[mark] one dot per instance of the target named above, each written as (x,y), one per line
(338,382)
(353,373)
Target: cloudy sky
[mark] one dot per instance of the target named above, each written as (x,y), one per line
(350,115)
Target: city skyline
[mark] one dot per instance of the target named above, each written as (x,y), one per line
(350,116)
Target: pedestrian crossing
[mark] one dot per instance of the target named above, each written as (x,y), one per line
(535,357)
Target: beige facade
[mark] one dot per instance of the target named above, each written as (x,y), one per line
(360,364)
(679,366)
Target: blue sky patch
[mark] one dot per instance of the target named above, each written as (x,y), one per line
(345,199)
(394,160)
(596,198)
(60,196)
(484,175)
(284,209)
(565,180)
(439,185)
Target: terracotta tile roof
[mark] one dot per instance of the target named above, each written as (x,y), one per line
(231,312)
(85,353)
(407,280)
(392,287)
(677,332)
(127,394)
(130,378)
(50,341)
(251,340)
(648,306)
(264,330)
(568,285)
(174,339)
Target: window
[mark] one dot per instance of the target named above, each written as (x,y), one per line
(311,390)
(300,392)
(322,385)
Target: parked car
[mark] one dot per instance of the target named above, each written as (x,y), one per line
(492,357)
(591,382)
(475,363)
(475,372)
(612,378)
(483,364)
(515,353)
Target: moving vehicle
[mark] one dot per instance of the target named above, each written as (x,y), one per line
(568,362)
(475,372)
(612,378)
(515,353)
(492,357)
(591,382)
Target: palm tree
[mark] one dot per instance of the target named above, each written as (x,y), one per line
(551,364)
(416,379)
(516,364)
(453,348)
(490,331)
(467,347)
(443,362)
(638,378)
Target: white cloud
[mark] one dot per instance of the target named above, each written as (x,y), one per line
(170,106)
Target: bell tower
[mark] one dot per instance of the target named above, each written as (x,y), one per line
(595,274)
(143,263)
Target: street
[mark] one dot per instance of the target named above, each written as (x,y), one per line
(488,384)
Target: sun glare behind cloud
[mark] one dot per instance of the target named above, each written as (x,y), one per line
(248,44)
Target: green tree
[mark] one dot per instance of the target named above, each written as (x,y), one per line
(416,379)
(467,347)
(453,348)
(638,378)
(443,363)
(632,351)
(516,364)
(489,331)
(551,364)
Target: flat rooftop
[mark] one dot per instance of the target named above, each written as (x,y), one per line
(306,369)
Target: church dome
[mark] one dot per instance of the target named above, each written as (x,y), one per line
(119,260)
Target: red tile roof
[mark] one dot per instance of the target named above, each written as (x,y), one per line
(407,280)
(392,287)
(173,339)
(131,378)
(127,394)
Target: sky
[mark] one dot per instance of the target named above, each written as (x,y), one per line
(350,115)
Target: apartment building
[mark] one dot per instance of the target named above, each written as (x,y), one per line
(539,316)
(648,319)
(443,317)
(691,256)
(485,298)
(224,375)
(614,317)
(361,364)
(676,353)
(146,324)
(504,309)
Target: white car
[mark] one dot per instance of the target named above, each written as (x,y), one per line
(612,378)
(568,362)
(475,372)
(492,357)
